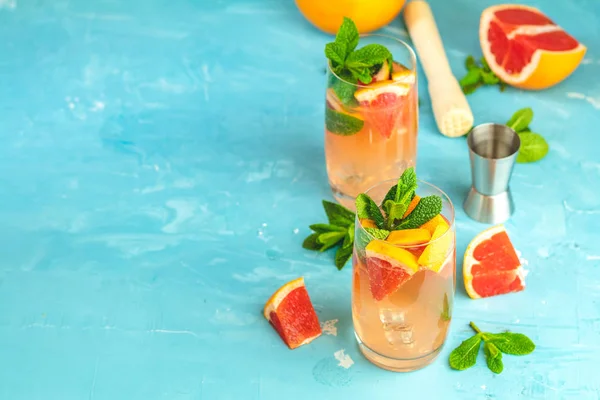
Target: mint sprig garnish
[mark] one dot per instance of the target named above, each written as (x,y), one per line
(338,232)
(350,64)
(494,344)
(398,198)
(367,209)
(533,145)
(478,74)
(427,208)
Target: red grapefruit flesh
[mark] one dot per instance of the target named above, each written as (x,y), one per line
(382,104)
(491,266)
(525,48)
(291,313)
(388,267)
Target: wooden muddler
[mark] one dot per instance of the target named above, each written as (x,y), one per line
(450,107)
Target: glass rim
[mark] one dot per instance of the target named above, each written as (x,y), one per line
(432,186)
(402,43)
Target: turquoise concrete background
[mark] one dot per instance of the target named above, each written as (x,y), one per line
(161,162)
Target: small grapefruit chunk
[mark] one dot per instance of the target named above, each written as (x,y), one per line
(388,267)
(292,315)
(491,266)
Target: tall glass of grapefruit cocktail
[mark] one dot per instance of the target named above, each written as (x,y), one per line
(371,129)
(404,279)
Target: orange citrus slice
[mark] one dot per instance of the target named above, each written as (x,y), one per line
(413,203)
(433,223)
(402,74)
(367,223)
(525,48)
(409,237)
(436,252)
(292,315)
(491,265)
(388,267)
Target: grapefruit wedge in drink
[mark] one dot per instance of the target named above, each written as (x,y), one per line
(525,48)
(491,265)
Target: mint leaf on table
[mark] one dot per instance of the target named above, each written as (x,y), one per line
(366,208)
(342,255)
(330,239)
(478,74)
(380,234)
(311,243)
(511,343)
(323,228)
(427,208)
(533,147)
(493,357)
(338,232)
(465,355)
(494,345)
(337,214)
(342,124)
(520,119)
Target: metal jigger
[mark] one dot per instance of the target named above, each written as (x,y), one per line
(492,149)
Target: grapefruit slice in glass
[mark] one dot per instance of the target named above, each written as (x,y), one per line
(525,48)
(382,104)
(388,267)
(292,315)
(491,266)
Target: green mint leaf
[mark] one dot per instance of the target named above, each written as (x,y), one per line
(330,239)
(311,243)
(427,208)
(348,34)
(533,147)
(524,130)
(369,56)
(446,312)
(342,124)
(406,186)
(380,234)
(465,355)
(470,63)
(489,78)
(472,77)
(344,87)
(520,119)
(366,208)
(493,357)
(470,88)
(395,211)
(485,65)
(337,214)
(324,228)
(349,238)
(511,343)
(342,255)
(336,52)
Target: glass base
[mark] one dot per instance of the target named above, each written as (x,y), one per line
(397,364)
(344,199)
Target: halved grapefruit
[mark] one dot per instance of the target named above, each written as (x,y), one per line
(491,265)
(292,315)
(382,104)
(388,267)
(525,48)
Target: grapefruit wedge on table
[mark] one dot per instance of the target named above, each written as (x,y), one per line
(491,265)
(292,315)
(525,48)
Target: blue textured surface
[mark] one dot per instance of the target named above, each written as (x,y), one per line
(160,163)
